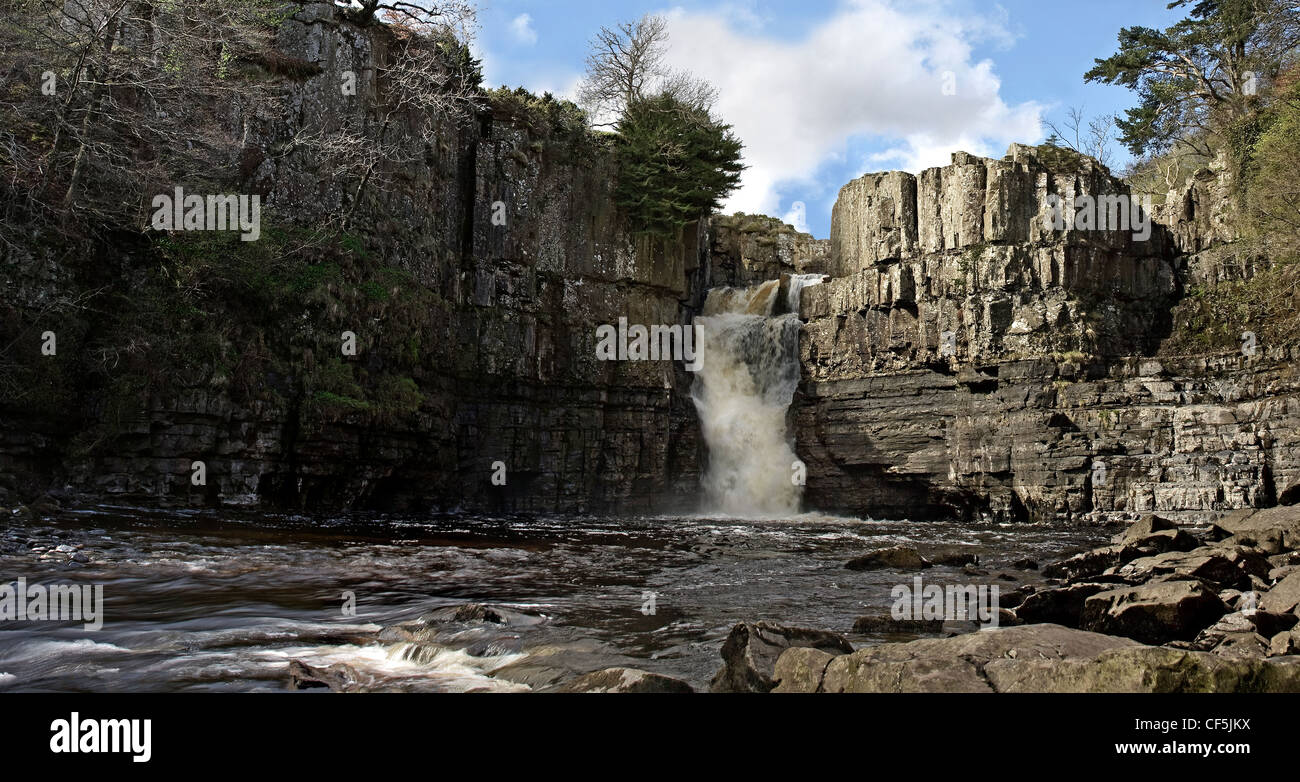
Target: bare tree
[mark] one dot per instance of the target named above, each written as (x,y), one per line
(114,99)
(1094,138)
(421,92)
(626,64)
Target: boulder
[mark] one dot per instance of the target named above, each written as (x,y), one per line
(888,624)
(1269,624)
(1285,643)
(953,558)
(1144,527)
(751,650)
(1086,564)
(624,680)
(1275,530)
(893,558)
(1284,597)
(800,669)
(1152,669)
(1226,568)
(1153,613)
(1233,636)
(937,664)
(335,678)
(1059,605)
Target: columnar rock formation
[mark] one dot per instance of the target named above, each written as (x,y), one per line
(971,358)
(965,357)
(500,337)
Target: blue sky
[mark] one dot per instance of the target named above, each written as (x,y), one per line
(823,91)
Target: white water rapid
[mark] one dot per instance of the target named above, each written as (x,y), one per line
(742,391)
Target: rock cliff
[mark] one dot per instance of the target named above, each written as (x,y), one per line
(972,358)
(474,290)
(966,356)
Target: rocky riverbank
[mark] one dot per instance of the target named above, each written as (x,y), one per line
(1163,608)
(1160,608)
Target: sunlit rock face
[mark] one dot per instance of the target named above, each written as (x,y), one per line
(971,358)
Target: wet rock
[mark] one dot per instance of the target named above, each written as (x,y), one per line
(624,680)
(1153,613)
(937,665)
(888,624)
(479,613)
(893,558)
(554,664)
(1025,564)
(751,650)
(953,558)
(335,678)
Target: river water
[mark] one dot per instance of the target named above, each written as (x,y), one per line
(215,601)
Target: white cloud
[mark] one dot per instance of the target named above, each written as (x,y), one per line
(872,70)
(522,29)
(797,216)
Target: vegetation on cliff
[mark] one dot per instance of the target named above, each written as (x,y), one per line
(1218,101)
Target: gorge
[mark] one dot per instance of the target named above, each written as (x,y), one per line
(475,346)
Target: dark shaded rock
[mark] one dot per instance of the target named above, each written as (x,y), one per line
(888,624)
(893,558)
(1025,564)
(1085,564)
(1059,605)
(1223,567)
(953,558)
(479,613)
(335,678)
(1159,543)
(1153,613)
(751,650)
(624,680)
(1269,624)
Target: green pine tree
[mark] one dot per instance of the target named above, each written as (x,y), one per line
(676,163)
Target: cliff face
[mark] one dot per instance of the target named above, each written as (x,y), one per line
(475,335)
(969,358)
(964,358)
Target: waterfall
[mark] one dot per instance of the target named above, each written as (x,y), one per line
(742,391)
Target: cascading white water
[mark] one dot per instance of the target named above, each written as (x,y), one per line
(750,368)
